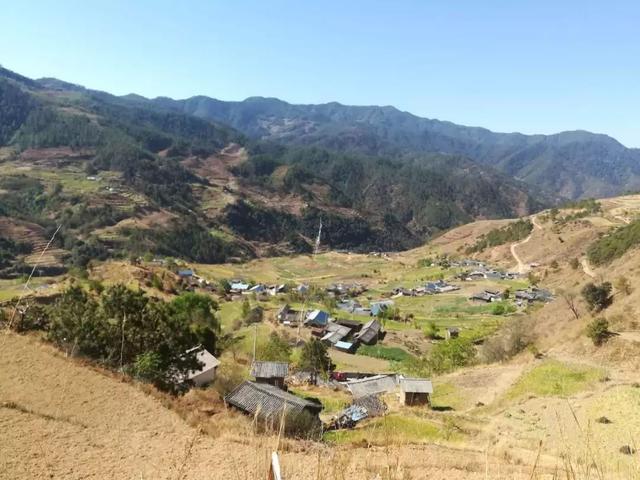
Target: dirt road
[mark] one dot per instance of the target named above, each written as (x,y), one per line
(522,267)
(586,268)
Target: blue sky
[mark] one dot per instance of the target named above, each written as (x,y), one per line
(530,66)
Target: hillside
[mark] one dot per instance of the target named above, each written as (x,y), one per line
(573,165)
(123,177)
(533,414)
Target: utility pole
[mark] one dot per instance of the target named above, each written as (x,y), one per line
(255,340)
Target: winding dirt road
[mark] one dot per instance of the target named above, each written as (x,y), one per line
(522,267)
(586,268)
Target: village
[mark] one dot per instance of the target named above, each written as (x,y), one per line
(347,318)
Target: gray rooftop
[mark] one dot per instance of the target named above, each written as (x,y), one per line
(266,400)
(416,385)
(269,369)
(372,385)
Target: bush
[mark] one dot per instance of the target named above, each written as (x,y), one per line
(623,285)
(431,331)
(610,247)
(598,331)
(228,377)
(277,349)
(598,297)
(452,354)
(512,339)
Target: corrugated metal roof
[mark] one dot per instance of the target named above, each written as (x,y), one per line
(372,385)
(335,333)
(207,360)
(266,400)
(369,332)
(416,385)
(269,369)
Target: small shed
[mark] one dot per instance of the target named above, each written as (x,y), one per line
(347,347)
(272,373)
(186,273)
(415,391)
(207,372)
(370,332)
(380,307)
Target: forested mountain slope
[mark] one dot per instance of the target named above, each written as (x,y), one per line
(124,176)
(574,164)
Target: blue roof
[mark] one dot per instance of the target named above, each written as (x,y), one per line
(185,273)
(345,345)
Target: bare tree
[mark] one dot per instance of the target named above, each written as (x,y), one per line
(571,300)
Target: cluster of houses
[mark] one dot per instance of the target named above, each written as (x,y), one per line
(527,296)
(484,273)
(267,396)
(341,334)
(429,288)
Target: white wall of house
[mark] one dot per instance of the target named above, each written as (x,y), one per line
(204,378)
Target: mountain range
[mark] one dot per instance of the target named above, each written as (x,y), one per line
(209,181)
(574,164)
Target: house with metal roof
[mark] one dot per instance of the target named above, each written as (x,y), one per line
(369,333)
(238,286)
(486,296)
(347,347)
(207,372)
(317,318)
(272,373)
(287,316)
(372,385)
(269,403)
(334,333)
(415,391)
(380,307)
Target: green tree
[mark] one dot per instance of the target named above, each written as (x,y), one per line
(598,297)
(315,358)
(246,308)
(452,354)
(598,331)
(199,313)
(277,349)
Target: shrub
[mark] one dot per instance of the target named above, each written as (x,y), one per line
(598,331)
(623,285)
(228,376)
(574,263)
(614,245)
(598,297)
(277,349)
(452,354)
(431,330)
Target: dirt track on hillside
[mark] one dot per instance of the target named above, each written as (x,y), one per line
(522,268)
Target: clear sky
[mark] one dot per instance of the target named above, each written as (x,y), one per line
(537,66)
